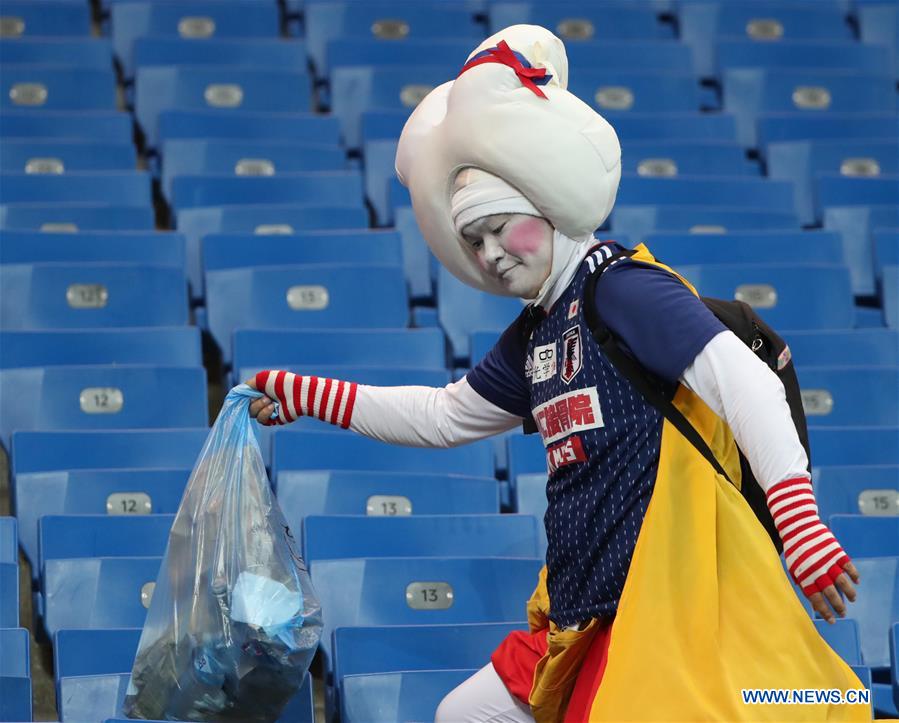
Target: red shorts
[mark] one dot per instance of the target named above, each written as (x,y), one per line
(517,656)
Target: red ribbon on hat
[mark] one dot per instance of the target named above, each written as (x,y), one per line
(503,55)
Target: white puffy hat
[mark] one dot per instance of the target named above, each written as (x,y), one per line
(501,117)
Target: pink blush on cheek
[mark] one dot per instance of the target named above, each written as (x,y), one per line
(526,237)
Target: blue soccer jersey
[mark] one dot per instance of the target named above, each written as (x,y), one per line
(602,438)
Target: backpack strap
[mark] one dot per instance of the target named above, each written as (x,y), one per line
(642,380)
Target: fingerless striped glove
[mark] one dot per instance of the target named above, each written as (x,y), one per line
(330,400)
(813,555)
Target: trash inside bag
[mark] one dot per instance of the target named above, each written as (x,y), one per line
(234,622)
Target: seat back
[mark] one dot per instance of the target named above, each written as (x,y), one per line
(133,247)
(409,695)
(877,608)
(862,490)
(45,19)
(98,125)
(93,593)
(124,188)
(79,296)
(93,492)
(841,395)
(867,535)
(833,446)
(329,450)
(50,156)
(53,88)
(9,594)
(852,347)
(247,125)
(332,537)
(14,653)
(94,652)
(77,216)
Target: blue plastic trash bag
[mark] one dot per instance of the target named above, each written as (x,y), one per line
(234,622)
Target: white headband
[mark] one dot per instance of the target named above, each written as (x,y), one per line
(478,194)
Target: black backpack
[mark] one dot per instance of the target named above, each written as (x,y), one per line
(752,331)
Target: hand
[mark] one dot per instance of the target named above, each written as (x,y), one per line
(814,557)
(263,408)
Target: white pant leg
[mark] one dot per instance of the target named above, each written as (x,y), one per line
(483,698)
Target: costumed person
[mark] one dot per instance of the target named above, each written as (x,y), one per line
(662,597)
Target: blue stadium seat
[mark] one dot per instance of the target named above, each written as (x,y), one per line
(879,25)
(462,310)
(374,592)
(441,51)
(480,342)
(526,455)
(644,55)
(394,648)
(94,652)
(576,22)
(802,161)
(383,124)
(133,247)
(74,217)
(325,188)
(93,492)
(100,697)
(383,493)
(688,158)
(857,224)
(774,127)
(247,125)
(282,53)
(9,594)
(399,348)
(530,499)
(886,250)
(189,19)
(788,297)
(380,159)
(137,448)
(255,157)
(894,659)
(66,537)
(854,445)
(794,54)
(14,653)
(865,490)
(838,190)
(363,246)
(75,52)
(50,156)
(842,637)
(54,88)
(385,22)
(867,535)
(855,347)
(355,89)
(417,258)
(195,223)
(124,188)
(348,451)
(875,610)
(334,537)
(890,296)
(749,92)
(99,397)
(408,695)
(101,125)
(15,698)
(638,92)
(639,220)
(172,346)
(221,88)
(45,18)
(841,396)
(315,296)
(111,592)
(762,21)
(787,247)
(57,296)
(9,547)
(721,191)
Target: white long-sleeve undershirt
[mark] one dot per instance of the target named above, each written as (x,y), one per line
(726,375)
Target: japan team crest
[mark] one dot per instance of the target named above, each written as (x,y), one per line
(572,356)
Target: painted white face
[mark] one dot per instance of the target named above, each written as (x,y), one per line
(515,249)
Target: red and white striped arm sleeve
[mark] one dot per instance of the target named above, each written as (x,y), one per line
(330,400)
(813,555)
